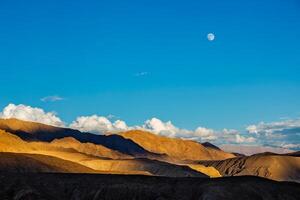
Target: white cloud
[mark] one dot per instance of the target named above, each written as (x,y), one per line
(161,128)
(97,124)
(120,125)
(52,98)
(28,113)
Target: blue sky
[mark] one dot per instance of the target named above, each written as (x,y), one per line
(143,59)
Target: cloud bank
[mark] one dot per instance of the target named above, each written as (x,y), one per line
(284,134)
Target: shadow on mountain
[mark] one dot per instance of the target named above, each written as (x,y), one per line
(33,163)
(30,131)
(25,163)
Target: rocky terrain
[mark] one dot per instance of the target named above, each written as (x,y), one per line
(36,186)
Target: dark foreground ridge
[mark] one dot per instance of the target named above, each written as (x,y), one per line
(114,187)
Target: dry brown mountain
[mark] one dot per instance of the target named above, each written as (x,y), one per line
(31,131)
(146,166)
(90,155)
(135,143)
(174,147)
(86,146)
(186,158)
(276,167)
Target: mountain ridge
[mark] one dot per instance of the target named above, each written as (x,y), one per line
(272,166)
(175,147)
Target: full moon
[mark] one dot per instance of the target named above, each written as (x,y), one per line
(211,37)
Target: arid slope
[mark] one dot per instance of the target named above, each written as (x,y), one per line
(86,156)
(175,148)
(31,131)
(276,167)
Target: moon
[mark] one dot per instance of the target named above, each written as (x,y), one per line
(211,37)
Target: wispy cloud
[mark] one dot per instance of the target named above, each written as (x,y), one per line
(139,74)
(52,98)
(111,116)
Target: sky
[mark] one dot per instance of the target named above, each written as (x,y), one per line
(143,60)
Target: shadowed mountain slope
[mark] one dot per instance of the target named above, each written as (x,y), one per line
(134,143)
(89,148)
(296,154)
(115,187)
(276,167)
(17,162)
(93,157)
(175,148)
(210,145)
(31,131)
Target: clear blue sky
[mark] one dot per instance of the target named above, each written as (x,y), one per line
(91,53)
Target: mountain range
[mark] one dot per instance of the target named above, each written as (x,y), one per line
(34,147)
(39,161)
